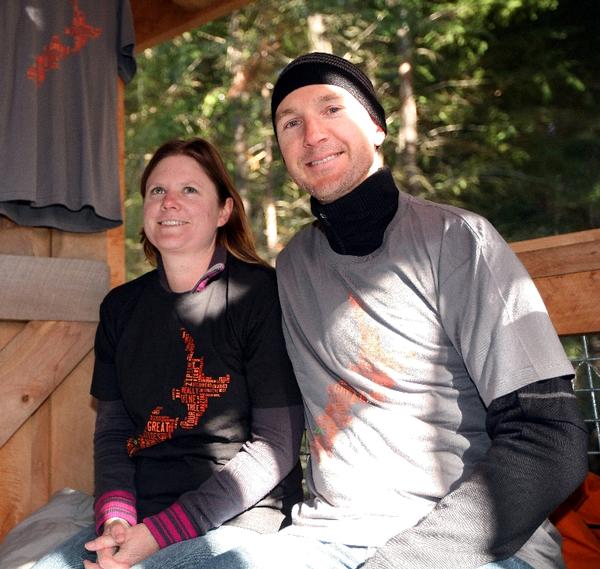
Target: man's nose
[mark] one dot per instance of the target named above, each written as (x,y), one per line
(313,131)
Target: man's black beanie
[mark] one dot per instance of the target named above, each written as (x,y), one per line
(327,69)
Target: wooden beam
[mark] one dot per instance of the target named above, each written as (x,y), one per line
(156,21)
(573,301)
(34,363)
(115,238)
(562,260)
(556,241)
(566,270)
(51,288)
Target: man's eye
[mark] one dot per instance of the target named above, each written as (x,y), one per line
(334,110)
(292,123)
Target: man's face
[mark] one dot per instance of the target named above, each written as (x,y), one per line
(328,140)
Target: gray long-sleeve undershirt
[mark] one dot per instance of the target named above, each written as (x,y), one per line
(537,458)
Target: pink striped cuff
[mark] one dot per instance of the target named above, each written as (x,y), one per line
(171,526)
(115,504)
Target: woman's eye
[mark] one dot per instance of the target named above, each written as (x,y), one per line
(189,190)
(156,190)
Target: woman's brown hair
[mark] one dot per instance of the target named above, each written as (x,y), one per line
(235,236)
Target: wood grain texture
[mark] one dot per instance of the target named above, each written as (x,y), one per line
(156,21)
(34,363)
(566,270)
(45,454)
(115,238)
(564,260)
(17,240)
(72,420)
(573,301)
(556,241)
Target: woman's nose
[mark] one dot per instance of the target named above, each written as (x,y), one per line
(169,200)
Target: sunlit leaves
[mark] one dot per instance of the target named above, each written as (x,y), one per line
(506,92)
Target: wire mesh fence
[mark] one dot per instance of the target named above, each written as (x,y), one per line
(584,353)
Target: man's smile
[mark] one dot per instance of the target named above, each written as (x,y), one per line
(320,161)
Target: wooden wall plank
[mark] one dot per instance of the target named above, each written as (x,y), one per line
(572,301)
(17,240)
(34,363)
(24,483)
(556,240)
(89,246)
(38,440)
(24,480)
(566,269)
(577,257)
(16,485)
(72,422)
(8,330)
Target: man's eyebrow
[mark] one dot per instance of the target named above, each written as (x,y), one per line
(329,97)
(286,111)
(322,99)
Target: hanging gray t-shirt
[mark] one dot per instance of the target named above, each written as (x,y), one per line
(60,61)
(398,354)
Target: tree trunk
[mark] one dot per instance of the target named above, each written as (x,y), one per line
(407,135)
(316,29)
(268,202)
(236,93)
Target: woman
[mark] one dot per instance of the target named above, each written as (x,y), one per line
(199,416)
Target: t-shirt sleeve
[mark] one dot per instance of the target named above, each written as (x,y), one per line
(269,372)
(104,377)
(126,39)
(493,312)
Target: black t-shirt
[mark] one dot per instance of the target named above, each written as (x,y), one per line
(189,368)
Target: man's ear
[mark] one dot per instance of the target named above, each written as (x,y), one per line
(379,136)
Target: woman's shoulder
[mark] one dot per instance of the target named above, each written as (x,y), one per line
(250,273)
(128,292)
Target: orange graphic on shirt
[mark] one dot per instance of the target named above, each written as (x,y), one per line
(195,392)
(80,31)
(159,428)
(197,387)
(342,396)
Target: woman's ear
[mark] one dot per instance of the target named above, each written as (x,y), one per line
(225,212)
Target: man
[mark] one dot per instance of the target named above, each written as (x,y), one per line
(442,425)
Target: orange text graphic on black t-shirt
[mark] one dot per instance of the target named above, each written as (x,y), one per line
(195,393)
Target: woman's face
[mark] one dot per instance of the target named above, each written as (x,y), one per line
(181,208)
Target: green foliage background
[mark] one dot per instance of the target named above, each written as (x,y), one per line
(506,95)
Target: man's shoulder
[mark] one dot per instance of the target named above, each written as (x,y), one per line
(429,208)
(446,218)
(300,243)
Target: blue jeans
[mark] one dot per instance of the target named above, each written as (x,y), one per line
(190,554)
(277,551)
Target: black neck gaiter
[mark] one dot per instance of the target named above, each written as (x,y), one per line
(355,223)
